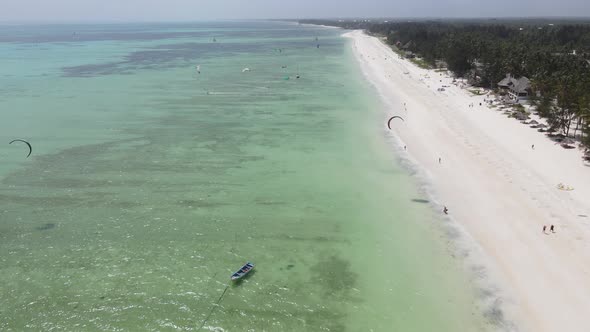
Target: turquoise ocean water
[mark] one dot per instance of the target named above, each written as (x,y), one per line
(149,184)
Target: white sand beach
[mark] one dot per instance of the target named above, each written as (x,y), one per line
(498,188)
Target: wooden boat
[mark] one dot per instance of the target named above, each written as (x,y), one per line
(243,271)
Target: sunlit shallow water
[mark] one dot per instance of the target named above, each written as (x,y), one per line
(149,184)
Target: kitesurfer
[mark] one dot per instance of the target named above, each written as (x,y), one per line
(27,143)
(393,117)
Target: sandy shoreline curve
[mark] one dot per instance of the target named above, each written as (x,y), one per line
(498,188)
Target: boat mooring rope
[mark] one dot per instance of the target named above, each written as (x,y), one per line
(213,308)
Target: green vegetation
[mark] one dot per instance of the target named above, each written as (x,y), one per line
(421,63)
(554,55)
(519,108)
(396,50)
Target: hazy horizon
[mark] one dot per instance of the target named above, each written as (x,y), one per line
(70,11)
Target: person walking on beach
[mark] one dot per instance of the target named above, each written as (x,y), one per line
(533,146)
(404,148)
(445,210)
(545,229)
(439,160)
(552,229)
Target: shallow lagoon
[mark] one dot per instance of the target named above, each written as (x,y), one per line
(149,184)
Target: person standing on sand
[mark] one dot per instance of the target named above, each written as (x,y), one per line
(445,210)
(439,160)
(533,146)
(545,229)
(552,229)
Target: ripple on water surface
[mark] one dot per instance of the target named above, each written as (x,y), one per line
(151,184)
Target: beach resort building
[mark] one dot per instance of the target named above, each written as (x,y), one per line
(408,46)
(517,88)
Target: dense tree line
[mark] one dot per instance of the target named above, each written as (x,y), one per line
(554,56)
